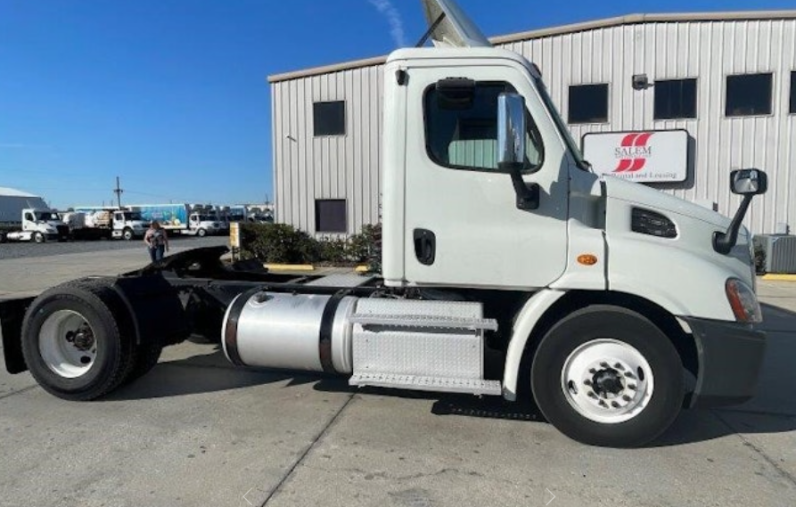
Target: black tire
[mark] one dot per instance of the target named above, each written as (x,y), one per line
(115,356)
(201,233)
(600,322)
(146,359)
(146,354)
(39,237)
(127,234)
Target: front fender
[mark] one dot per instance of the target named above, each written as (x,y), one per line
(524,324)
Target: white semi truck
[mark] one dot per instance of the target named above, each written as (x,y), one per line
(612,305)
(37,225)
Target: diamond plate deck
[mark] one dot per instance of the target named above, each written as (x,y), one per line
(431,321)
(421,383)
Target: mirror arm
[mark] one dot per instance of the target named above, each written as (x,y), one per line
(724,241)
(527,193)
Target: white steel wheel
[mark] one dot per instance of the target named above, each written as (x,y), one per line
(607,381)
(67,344)
(606,375)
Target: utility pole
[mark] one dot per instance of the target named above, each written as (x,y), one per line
(118,191)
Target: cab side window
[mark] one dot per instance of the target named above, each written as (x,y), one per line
(461,128)
(29,217)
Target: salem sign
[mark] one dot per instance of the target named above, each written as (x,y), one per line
(654,156)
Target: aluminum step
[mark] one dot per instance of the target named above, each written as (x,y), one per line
(419,383)
(426,321)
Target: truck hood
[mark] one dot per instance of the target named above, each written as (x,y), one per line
(685,264)
(618,188)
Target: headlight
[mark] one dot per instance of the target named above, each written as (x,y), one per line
(743,301)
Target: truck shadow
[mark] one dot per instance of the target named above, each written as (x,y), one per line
(773,410)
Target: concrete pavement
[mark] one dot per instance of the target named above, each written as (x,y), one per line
(195,431)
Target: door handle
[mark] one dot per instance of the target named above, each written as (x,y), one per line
(425,246)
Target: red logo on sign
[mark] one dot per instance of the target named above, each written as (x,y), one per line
(633,152)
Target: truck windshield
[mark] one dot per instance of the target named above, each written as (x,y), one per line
(562,128)
(205,218)
(46,216)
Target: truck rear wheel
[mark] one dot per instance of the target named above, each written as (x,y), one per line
(73,344)
(607,376)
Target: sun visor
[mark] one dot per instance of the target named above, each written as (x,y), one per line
(455,29)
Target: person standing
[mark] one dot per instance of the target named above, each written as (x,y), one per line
(157,241)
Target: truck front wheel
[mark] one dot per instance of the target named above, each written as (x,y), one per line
(201,233)
(73,344)
(127,234)
(607,376)
(39,237)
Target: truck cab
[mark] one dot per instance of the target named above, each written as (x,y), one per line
(128,224)
(40,225)
(204,223)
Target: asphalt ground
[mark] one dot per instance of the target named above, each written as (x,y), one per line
(196,431)
(51,248)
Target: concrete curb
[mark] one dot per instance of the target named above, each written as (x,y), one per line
(290,267)
(779,278)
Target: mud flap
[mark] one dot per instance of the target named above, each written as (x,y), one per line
(12,314)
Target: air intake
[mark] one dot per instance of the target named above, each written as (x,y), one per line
(648,222)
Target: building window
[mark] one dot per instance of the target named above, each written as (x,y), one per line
(588,103)
(675,98)
(461,128)
(748,95)
(328,118)
(330,215)
(793,92)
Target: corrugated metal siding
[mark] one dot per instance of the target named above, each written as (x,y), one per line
(307,168)
(348,167)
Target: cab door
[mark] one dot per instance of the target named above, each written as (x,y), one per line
(462,223)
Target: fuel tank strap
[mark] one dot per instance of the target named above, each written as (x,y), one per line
(231,330)
(325,334)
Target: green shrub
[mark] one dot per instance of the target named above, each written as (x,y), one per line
(280,243)
(277,243)
(333,250)
(760,259)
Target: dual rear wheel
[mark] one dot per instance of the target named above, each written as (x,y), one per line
(79,341)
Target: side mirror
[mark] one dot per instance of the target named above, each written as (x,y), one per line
(511,148)
(748,182)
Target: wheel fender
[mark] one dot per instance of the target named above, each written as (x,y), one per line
(524,324)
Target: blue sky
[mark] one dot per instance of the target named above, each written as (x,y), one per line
(171,95)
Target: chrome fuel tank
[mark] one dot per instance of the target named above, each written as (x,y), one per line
(290,331)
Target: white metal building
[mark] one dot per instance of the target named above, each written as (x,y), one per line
(729,79)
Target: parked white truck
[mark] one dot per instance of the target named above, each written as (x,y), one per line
(612,305)
(37,225)
(90,222)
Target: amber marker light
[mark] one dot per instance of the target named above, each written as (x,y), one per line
(587,259)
